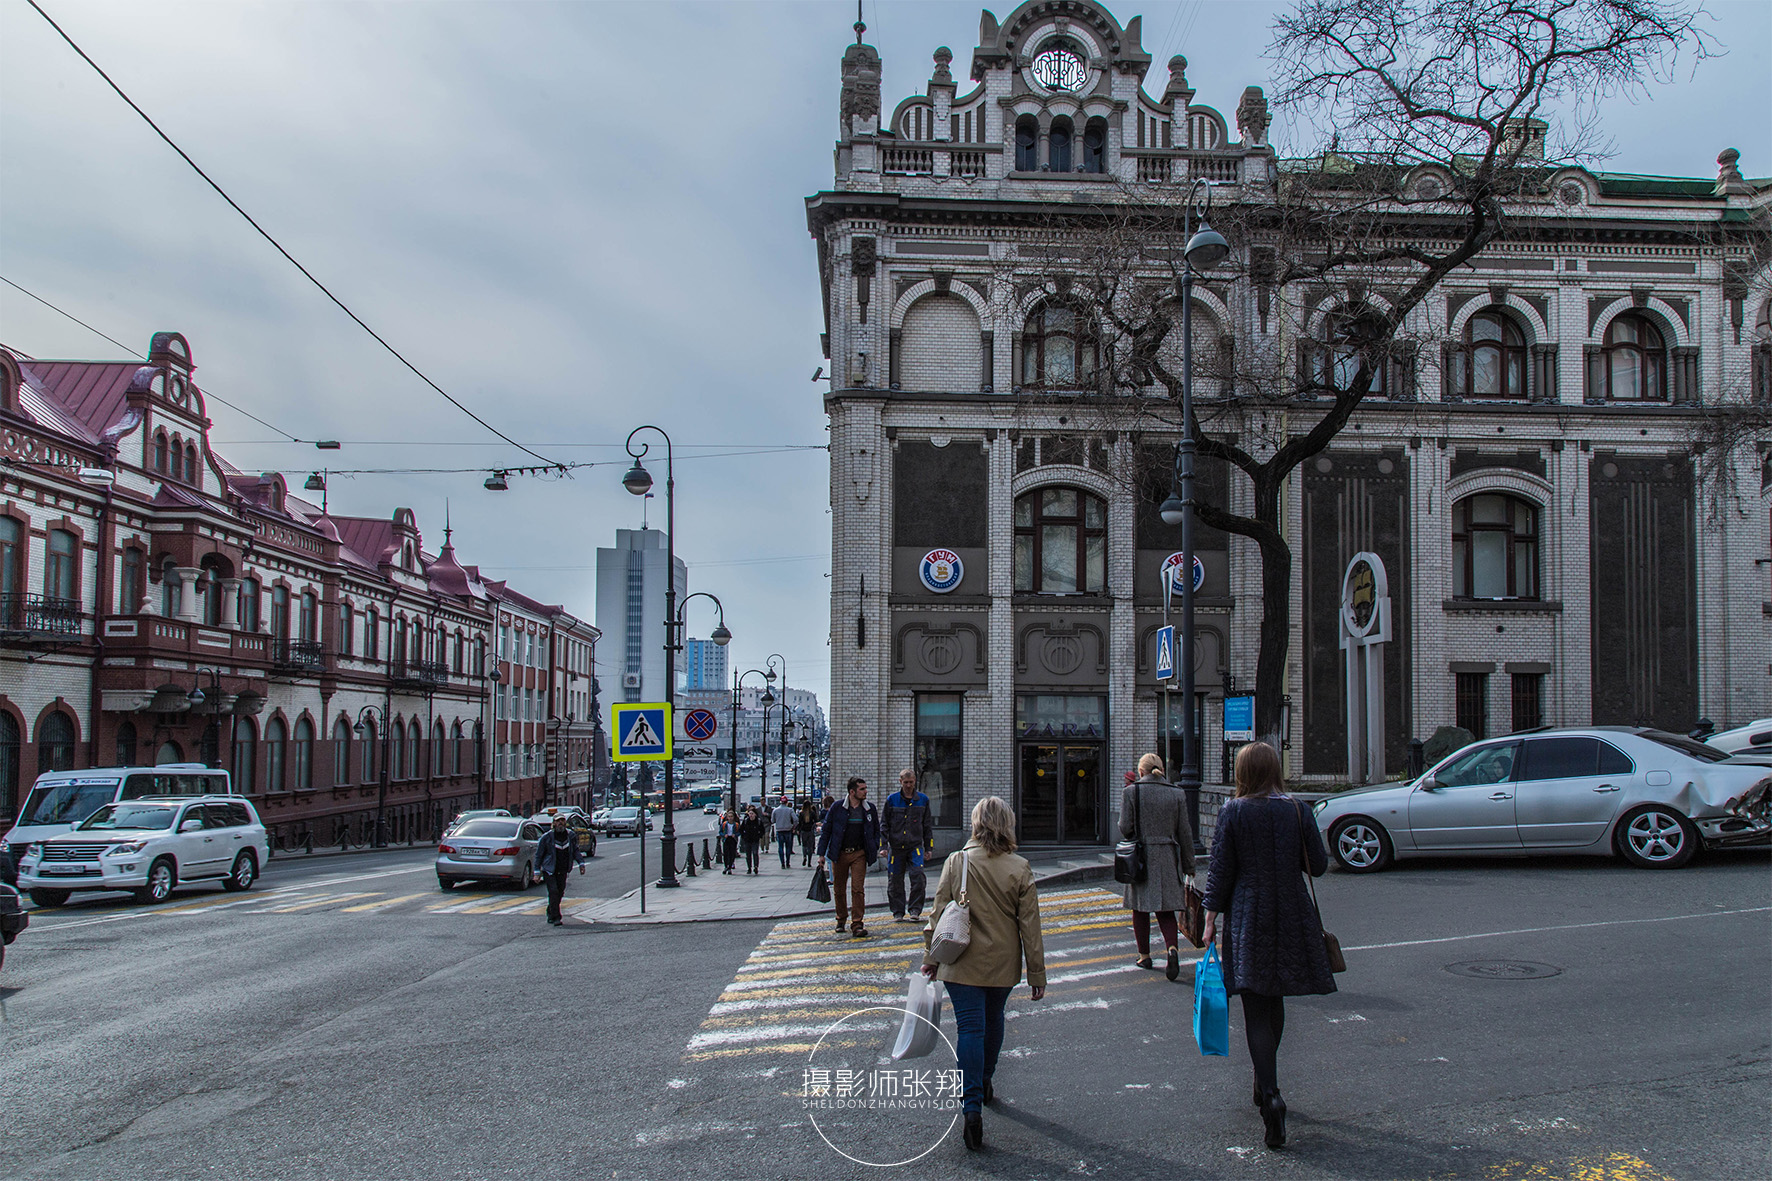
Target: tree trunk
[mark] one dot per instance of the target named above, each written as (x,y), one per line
(1276,616)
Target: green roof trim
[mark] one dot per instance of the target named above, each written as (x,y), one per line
(1625,184)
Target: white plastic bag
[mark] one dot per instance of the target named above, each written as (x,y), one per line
(918,1032)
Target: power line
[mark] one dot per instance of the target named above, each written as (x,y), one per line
(278,246)
(207,392)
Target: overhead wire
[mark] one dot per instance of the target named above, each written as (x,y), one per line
(278,246)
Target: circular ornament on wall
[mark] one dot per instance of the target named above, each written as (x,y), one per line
(941,570)
(1059,68)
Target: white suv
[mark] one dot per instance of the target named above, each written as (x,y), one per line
(149,845)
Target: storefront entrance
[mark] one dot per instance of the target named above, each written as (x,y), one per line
(1060,793)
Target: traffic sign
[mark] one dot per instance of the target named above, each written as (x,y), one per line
(700,724)
(641,731)
(1166,652)
(1171,574)
(1239,719)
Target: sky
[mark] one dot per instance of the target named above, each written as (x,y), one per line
(576,217)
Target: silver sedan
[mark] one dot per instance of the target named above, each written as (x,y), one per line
(489,849)
(1651,797)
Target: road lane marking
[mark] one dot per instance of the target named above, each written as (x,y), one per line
(386,902)
(310,903)
(1672,918)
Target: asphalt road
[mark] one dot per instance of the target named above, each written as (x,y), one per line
(347,1020)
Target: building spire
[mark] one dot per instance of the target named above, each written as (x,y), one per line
(860,25)
(446,529)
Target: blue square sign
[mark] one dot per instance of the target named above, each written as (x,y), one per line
(1166,652)
(641,731)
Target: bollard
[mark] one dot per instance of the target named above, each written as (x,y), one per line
(689,863)
(707,860)
(308,841)
(1416,758)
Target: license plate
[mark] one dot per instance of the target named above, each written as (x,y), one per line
(65,870)
(471,854)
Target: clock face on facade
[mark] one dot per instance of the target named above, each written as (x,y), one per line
(1059,69)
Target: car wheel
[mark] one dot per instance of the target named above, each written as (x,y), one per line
(50,897)
(161,878)
(523,882)
(1360,845)
(244,873)
(1655,836)
(445,884)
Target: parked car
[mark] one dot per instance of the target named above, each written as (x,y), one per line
(1649,796)
(600,819)
(476,814)
(626,822)
(59,800)
(149,846)
(490,848)
(1753,738)
(710,810)
(13,918)
(576,820)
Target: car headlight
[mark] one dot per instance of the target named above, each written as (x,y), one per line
(33,851)
(126,849)
(1319,805)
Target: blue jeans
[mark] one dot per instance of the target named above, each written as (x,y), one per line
(978,1018)
(784,843)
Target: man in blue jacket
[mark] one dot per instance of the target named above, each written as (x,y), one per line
(910,838)
(851,839)
(555,855)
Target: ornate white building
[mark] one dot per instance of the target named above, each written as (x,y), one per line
(1560,549)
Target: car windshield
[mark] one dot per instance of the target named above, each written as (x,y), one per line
(626,813)
(488,828)
(1686,746)
(130,816)
(66,803)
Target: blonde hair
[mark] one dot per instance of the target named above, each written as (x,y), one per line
(1257,771)
(993,825)
(1149,763)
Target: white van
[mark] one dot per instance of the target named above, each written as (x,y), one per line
(61,799)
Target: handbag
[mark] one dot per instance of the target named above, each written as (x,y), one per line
(1130,866)
(953,930)
(920,1029)
(1193,914)
(821,887)
(1331,945)
(1212,1015)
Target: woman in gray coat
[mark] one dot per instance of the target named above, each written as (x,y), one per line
(1155,811)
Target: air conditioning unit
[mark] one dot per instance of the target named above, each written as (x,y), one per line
(630,680)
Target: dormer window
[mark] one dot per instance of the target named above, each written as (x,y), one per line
(160,451)
(1027,144)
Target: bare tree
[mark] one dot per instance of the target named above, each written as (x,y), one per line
(1434,110)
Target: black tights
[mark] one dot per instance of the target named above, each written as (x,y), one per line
(1264,1022)
(1141,929)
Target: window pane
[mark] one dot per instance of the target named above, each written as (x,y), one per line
(1525,569)
(1059,502)
(1489,510)
(1486,370)
(1623,329)
(1094,513)
(1095,564)
(1627,376)
(1058,558)
(1516,374)
(1459,564)
(1061,360)
(1485,328)
(938,714)
(1560,758)
(1024,562)
(1491,764)
(1525,518)
(1024,511)
(1489,565)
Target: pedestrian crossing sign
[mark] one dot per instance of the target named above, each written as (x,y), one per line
(1166,652)
(641,731)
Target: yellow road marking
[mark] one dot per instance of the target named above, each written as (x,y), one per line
(859,989)
(1613,1166)
(362,906)
(326,901)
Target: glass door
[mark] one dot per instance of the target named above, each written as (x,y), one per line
(1061,793)
(1039,792)
(1080,818)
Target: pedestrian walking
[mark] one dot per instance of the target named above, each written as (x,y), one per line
(1273,939)
(728,840)
(785,819)
(807,830)
(1154,811)
(555,855)
(1005,928)
(750,834)
(851,839)
(910,838)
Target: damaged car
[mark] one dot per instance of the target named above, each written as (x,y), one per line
(1649,796)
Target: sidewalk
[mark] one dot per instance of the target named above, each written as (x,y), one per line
(778,893)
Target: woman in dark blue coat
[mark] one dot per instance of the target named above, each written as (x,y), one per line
(1273,939)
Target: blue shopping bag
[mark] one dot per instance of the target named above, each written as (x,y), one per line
(1212,1015)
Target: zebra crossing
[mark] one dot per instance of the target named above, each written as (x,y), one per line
(317,899)
(803,977)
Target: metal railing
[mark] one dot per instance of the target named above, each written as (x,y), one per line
(303,655)
(421,673)
(40,615)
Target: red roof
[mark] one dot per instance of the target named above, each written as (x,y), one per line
(91,391)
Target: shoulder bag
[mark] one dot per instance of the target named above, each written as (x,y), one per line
(1331,945)
(1129,859)
(953,930)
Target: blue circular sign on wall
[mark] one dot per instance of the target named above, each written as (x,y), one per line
(1172,573)
(941,570)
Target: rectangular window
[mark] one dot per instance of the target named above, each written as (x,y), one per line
(61,552)
(1472,703)
(372,636)
(1528,701)
(129,599)
(347,627)
(939,756)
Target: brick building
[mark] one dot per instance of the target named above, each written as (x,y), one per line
(1558,548)
(157,604)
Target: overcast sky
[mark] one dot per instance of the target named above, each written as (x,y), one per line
(576,217)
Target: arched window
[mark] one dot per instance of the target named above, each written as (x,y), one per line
(347,629)
(371,634)
(1058,145)
(938,347)
(276,751)
(171,590)
(1636,360)
(1095,146)
(1027,144)
(1060,542)
(9,761)
(438,736)
(456,661)
(371,740)
(1493,364)
(129,580)
(415,737)
(55,743)
(244,756)
(12,560)
(341,752)
(397,648)
(397,751)
(304,755)
(455,754)
(1059,349)
(308,620)
(160,451)
(62,553)
(480,656)
(1494,547)
(168,752)
(1353,337)
(126,744)
(280,612)
(249,604)
(190,463)
(212,597)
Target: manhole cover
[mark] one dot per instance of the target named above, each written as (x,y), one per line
(1504,969)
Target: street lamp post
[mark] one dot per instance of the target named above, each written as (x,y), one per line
(1206,248)
(365,724)
(773,657)
(197,698)
(768,699)
(674,643)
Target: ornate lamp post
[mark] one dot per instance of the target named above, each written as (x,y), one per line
(773,657)
(768,700)
(366,727)
(1206,248)
(197,698)
(674,643)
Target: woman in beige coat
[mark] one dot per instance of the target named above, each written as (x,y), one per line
(1005,930)
(1155,811)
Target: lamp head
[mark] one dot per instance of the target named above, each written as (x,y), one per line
(496,482)
(1207,248)
(768,697)
(638,480)
(196,696)
(720,635)
(360,728)
(770,676)
(1172,510)
(314,483)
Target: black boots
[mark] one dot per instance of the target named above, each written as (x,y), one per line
(1173,968)
(974,1132)
(989,1094)
(1273,1115)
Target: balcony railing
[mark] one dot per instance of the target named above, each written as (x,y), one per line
(40,616)
(420,674)
(911,161)
(298,655)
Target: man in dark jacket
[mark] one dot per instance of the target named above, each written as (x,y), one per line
(910,837)
(555,855)
(851,839)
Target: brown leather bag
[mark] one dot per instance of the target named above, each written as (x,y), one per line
(1193,915)
(1331,945)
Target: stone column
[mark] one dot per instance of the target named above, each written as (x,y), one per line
(230,589)
(187,599)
